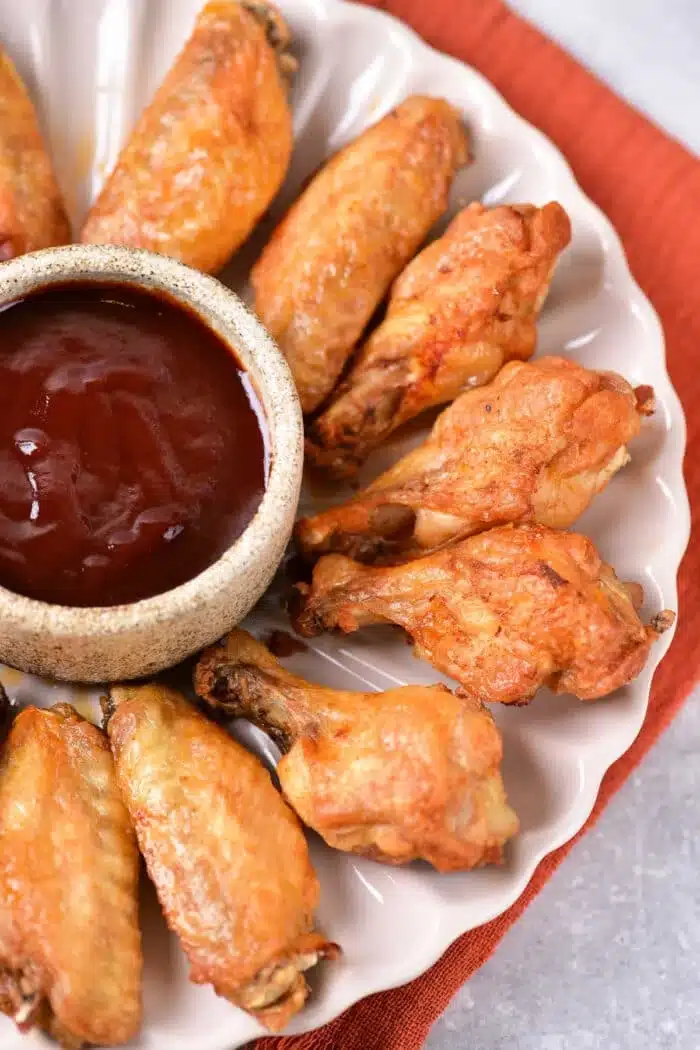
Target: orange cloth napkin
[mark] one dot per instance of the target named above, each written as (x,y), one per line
(650,188)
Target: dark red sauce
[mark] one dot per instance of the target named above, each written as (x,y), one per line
(132,450)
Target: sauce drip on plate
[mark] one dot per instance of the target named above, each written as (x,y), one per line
(132,445)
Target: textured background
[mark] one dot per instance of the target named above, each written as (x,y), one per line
(606,956)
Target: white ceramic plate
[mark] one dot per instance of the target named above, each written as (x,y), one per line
(92,65)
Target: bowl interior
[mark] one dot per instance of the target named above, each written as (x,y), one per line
(219,308)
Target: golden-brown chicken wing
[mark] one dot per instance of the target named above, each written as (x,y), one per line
(32,213)
(536,444)
(226,854)
(504,612)
(466,305)
(364,215)
(70,946)
(438,796)
(210,152)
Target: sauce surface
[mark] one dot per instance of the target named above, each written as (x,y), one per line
(132,445)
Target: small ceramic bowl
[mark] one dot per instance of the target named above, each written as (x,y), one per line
(130,641)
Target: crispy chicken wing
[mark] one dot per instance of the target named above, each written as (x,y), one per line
(466,305)
(212,149)
(438,796)
(504,612)
(70,946)
(332,259)
(32,213)
(536,444)
(226,854)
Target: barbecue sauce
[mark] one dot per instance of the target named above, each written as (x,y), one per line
(132,445)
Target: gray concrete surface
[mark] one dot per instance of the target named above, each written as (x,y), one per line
(606,958)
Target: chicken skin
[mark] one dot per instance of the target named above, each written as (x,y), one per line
(210,152)
(436,795)
(463,308)
(226,854)
(70,946)
(503,613)
(32,213)
(537,444)
(362,218)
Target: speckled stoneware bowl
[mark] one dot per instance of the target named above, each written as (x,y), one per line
(128,641)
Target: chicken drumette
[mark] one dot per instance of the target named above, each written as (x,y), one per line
(536,444)
(226,854)
(70,946)
(354,228)
(504,612)
(211,150)
(466,305)
(438,796)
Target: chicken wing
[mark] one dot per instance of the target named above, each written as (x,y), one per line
(226,854)
(70,946)
(537,444)
(32,213)
(210,152)
(364,215)
(504,612)
(439,796)
(466,305)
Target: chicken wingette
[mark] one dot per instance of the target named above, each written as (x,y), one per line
(70,946)
(32,212)
(503,612)
(361,219)
(226,854)
(211,150)
(537,444)
(463,308)
(397,776)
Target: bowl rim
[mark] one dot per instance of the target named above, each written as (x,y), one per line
(225,313)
